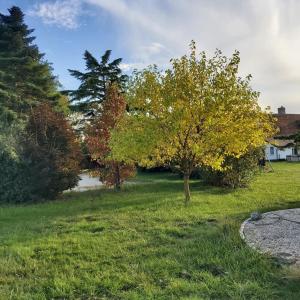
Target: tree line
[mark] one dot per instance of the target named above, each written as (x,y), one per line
(38,148)
(198,114)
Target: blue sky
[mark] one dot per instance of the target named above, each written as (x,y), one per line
(144,32)
(64,45)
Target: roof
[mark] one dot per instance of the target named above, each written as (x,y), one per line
(288,124)
(281,143)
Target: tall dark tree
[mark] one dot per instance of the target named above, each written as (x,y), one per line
(25,77)
(95,81)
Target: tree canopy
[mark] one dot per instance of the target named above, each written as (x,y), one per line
(195,113)
(51,151)
(25,77)
(95,81)
(111,113)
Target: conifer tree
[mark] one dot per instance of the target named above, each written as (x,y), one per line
(95,81)
(25,77)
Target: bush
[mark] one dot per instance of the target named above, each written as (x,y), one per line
(13,179)
(238,171)
(51,153)
(40,161)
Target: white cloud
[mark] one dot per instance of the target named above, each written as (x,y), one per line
(265,32)
(153,48)
(129,67)
(61,13)
(152,31)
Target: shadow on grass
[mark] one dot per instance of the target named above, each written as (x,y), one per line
(158,193)
(144,195)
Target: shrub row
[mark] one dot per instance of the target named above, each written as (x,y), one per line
(237,172)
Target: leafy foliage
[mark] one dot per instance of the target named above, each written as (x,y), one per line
(13,178)
(237,172)
(197,113)
(94,82)
(25,77)
(112,172)
(25,82)
(296,138)
(51,152)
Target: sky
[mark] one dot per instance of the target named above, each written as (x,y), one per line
(144,32)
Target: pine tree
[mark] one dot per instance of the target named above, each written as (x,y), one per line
(96,79)
(25,77)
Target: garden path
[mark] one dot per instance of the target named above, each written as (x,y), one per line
(276,233)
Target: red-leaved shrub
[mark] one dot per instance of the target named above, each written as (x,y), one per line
(52,153)
(111,172)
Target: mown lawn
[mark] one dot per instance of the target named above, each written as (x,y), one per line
(143,243)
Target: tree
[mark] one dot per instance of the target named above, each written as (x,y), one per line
(51,152)
(96,79)
(194,114)
(25,77)
(112,172)
(14,181)
(297,142)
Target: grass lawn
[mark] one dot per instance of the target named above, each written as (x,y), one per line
(143,243)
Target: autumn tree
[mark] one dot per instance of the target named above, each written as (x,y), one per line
(112,111)
(51,152)
(194,114)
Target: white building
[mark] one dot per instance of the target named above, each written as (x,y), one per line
(282,146)
(279,149)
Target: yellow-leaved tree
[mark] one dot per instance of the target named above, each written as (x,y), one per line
(194,114)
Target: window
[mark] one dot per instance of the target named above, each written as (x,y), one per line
(272,150)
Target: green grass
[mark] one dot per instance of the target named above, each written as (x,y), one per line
(143,243)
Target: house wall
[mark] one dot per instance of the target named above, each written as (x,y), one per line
(277,153)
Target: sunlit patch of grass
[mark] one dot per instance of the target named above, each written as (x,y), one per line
(144,243)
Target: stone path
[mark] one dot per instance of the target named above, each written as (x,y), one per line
(276,233)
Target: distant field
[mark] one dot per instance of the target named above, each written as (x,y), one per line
(143,243)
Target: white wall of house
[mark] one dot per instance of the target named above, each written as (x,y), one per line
(274,153)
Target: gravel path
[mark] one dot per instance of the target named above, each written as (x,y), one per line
(87,182)
(276,233)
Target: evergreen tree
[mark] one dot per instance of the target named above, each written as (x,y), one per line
(25,77)
(95,81)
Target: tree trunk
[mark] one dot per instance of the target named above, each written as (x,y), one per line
(117,178)
(186,179)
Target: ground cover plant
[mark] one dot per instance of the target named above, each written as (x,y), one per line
(144,243)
